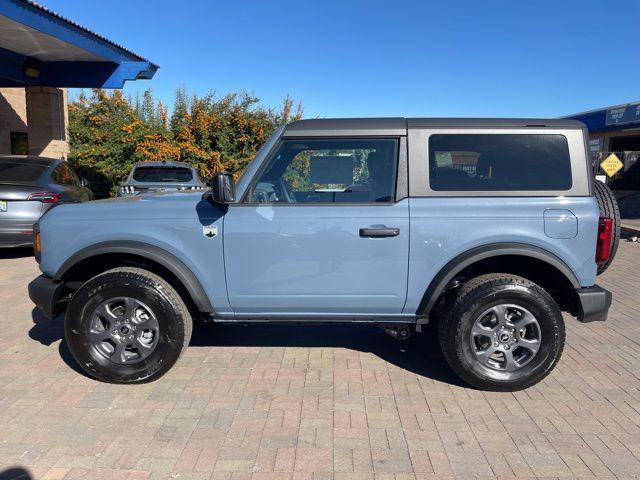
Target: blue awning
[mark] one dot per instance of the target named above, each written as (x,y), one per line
(40,48)
(617,117)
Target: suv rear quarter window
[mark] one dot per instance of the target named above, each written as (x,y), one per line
(64,175)
(499,162)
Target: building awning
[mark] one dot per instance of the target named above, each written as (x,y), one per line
(40,48)
(616,117)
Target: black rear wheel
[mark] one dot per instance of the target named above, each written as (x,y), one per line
(127,325)
(502,333)
(608,206)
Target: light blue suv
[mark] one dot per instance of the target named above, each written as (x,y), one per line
(485,228)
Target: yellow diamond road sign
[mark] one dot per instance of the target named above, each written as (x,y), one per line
(611,165)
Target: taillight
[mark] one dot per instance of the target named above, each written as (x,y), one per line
(605,235)
(45,197)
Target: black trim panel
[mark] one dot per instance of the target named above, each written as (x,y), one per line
(45,293)
(594,303)
(151,252)
(315,318)
(451,269)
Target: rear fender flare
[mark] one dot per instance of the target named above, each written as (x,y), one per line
(459,263)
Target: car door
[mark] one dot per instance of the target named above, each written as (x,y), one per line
(320,232)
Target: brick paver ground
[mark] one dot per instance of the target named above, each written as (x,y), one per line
(317,402)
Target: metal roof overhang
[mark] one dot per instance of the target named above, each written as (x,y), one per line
(41,48)
(616,117)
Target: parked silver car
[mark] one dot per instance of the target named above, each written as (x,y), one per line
(29,186)
(160,177)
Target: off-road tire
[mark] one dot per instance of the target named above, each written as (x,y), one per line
(173,317)
(475,297)
(608,206)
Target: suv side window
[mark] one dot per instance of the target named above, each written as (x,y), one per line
(64,175)
(499,162)
(337,170)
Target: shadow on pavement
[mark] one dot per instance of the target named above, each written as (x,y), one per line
(420,354)
(15,473)
(47,332)
(21,252)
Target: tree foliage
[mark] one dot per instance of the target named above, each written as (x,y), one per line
(109,132)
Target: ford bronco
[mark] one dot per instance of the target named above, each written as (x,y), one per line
(485,229)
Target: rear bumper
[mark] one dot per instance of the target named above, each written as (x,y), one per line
(16,236)
(594,303)
(45,293)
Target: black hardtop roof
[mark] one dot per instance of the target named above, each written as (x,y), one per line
(399,125)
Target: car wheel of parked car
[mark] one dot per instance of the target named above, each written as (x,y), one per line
(127,325)
(608,206)
(502,333)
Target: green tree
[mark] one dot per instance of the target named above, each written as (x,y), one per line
(108,132)
(103,133)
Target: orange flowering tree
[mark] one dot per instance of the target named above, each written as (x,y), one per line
(109,132)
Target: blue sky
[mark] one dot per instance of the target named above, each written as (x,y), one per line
(372,58)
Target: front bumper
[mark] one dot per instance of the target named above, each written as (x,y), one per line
(45,293)
(594,303)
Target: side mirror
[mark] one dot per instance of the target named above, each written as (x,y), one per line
(223,188)
(84,182)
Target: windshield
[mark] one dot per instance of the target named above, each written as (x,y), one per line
(13,171)
(245,177)
(162,174)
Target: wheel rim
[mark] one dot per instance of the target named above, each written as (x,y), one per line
(505,337)
(123,330)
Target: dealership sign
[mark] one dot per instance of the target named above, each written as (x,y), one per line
(622,115)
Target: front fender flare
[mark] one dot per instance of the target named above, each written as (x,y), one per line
(151,252)
(455,266)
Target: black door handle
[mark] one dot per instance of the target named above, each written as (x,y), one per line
(379,232)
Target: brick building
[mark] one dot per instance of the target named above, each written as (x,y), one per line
(33,121)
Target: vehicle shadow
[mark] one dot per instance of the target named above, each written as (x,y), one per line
(15,473)
(420,354)
(21,252)
(47,332)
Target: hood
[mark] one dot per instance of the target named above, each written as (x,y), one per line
(155,196)
(143,207)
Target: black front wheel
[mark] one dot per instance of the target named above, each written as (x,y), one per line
(127,325)
(502,333)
